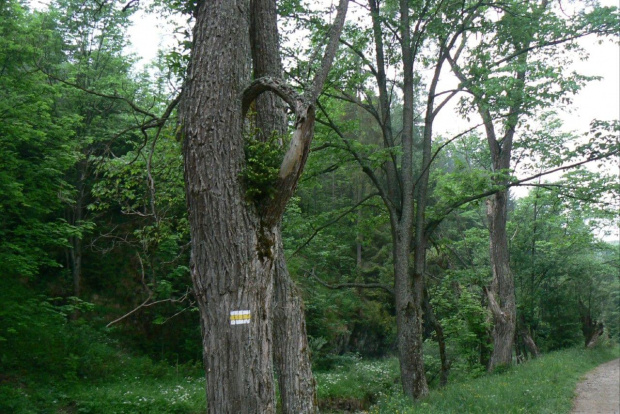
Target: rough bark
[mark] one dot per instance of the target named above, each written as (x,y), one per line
(409,325)
(291,352)
(232,253)
(501,294)
(235,242)
(270,111)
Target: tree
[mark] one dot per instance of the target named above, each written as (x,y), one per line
(563,275)
(423,35)
(510,73)
(234,220)
(88,64)
(290,352)
(37,151)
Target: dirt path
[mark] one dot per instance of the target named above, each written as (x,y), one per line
(599,392)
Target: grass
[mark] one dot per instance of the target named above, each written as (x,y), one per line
(545,385)
(129,385)
(139,395)
(126,393)
(138,385)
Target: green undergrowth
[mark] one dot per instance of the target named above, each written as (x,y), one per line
(50,363)
(354,384)
(143,388)
(545,385)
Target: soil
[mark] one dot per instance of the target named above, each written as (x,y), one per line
(599,392)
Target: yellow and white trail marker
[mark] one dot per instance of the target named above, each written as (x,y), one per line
(240,317)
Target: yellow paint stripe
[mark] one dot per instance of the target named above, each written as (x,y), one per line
(240,317)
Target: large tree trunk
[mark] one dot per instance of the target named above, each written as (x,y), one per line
(232,252)
(235,241)
(501,294)
(291,351)
(409,292)
(409,324)
(409,327)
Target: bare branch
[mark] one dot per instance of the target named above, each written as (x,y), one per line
(361,55)
(330,52)
(115,96)
(520,182)
(385,287)
(146,303)
(442,146)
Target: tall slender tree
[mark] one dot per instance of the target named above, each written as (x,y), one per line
(402,180)
(511,73)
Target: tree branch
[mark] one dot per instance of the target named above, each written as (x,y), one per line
(330,52)
(102,95)
(520,182)
(299,147)
(277,86)
(361,55)
(387,288)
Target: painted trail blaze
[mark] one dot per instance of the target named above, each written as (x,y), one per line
(240,317)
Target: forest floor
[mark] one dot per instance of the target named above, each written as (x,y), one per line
(599,392)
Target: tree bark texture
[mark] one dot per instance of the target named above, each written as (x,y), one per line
(409,325)
(235,241)
(232,252)
(501,295)
(291,352)
(409,292)
(270,109)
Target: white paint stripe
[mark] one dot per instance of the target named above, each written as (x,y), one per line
(240,317)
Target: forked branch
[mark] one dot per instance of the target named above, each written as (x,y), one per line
(304,108)
(385,287)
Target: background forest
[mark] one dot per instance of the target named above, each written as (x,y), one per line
(96,298)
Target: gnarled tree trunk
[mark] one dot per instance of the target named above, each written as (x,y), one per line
(235,241)
(232,252)
(290,343)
